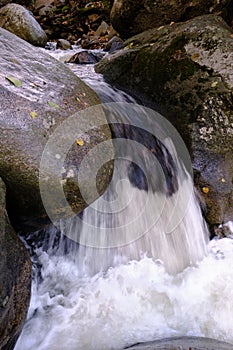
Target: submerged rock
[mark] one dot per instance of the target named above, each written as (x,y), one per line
(133,17)
(38,94)
(19,21)
(15,280)
(185,72)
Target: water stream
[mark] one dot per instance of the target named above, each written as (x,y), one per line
(142,283)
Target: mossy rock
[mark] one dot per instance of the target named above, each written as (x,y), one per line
(130,17)
(185,72)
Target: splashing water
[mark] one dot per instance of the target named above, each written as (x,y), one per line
(144,277)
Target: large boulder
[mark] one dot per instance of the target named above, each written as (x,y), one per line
(185,72)
(130,17)
(15,280)
(19,21)
(38,94)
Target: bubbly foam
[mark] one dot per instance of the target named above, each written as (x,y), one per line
(131,303)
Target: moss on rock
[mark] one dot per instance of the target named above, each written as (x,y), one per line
(185,72)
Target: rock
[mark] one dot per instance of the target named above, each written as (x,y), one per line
(185,72)
(102,29)
(114,44)
(47,94)
(63,44)
(135,16)
(19,21)
(85,57)
(112,32)
(15,280)
(183,343)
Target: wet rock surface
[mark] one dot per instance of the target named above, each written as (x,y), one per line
(185,72)
(184,343)
(38,93)
(15,280)
(19,21)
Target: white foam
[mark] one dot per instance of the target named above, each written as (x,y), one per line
(132,303)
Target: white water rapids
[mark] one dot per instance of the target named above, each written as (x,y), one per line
(75,306)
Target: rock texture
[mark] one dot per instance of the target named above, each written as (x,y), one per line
(184,343)
(19,21)
(185,72)
(38,93)
(130,17)
(15,280)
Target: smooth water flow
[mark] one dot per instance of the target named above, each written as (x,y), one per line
(136,265)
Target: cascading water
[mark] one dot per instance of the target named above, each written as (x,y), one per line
(111,278)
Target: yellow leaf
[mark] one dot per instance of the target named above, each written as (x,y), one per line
(195,57)
(214,84)
(205,190)
(33,114)
(172,23)
(14,81)
(53,104)
(223,180)
(80,142)
(78,99)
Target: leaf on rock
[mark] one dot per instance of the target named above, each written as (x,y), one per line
(16,82)
(195,57)
(33,114)
(80,142)
(53,104)
(214,84)
(205,190)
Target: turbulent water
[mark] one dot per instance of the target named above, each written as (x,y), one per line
(162,284)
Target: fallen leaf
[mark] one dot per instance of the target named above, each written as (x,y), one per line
(78,99)
(195,57)
(214,84)
(53,104)
(205,190)
(14,81)
(33,114)
(223,180)
(172,23)
(80,142)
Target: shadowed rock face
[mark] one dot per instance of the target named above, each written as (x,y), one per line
(130,17)
(48,93)
(183,343)
(185,72)
(15,280)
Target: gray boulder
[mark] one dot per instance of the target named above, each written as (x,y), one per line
(19,21)
(185,72)
(130,17)
(15,280)
(38,94)
(183,343)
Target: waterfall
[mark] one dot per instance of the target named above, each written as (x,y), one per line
(136,264)
(150,207)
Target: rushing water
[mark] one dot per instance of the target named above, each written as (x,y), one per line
(160,285)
